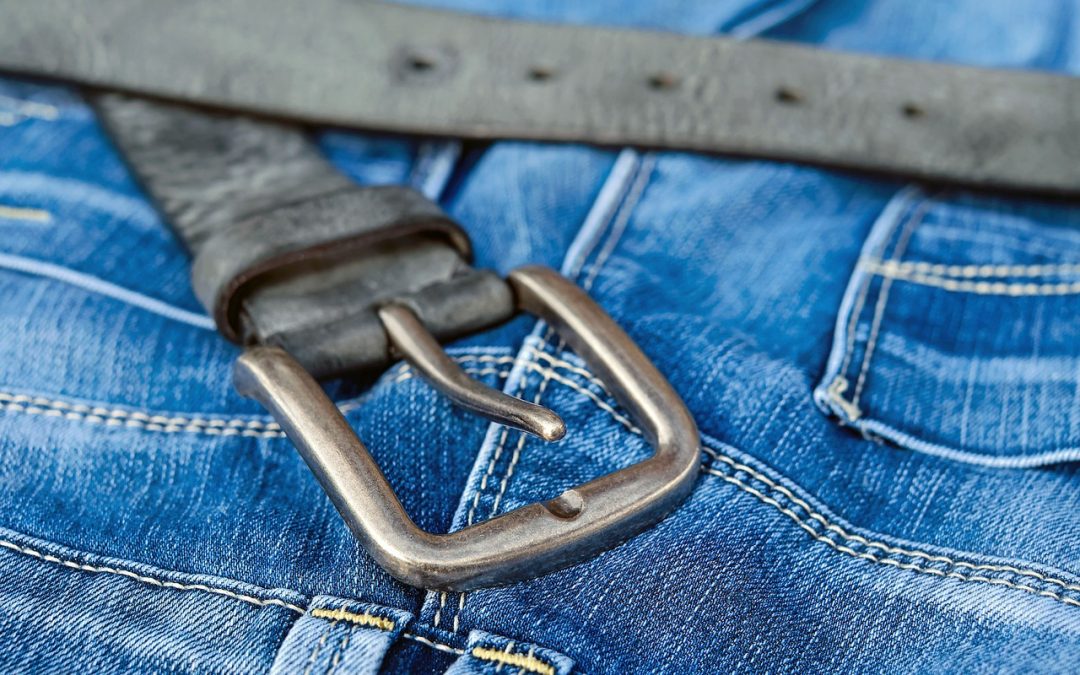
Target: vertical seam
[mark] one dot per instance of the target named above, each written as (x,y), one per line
(622,198)
(883,299)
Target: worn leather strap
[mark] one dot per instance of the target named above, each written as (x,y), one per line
(394,68)
(288,251)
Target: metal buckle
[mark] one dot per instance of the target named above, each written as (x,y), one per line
(528,541)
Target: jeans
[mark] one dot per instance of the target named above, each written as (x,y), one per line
(885,377)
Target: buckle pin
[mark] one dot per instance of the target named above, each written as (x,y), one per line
(420,348)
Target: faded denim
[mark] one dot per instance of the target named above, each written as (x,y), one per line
(885,377)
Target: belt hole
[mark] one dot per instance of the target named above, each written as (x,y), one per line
(541,73)
(912,110)
(788,96)
(663,81)
(420,63)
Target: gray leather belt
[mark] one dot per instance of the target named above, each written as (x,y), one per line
(393,68)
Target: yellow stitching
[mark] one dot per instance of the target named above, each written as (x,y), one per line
(977,287)
(524,661)
(19,213)
(886,561)
(260,602)
(977,271)
(364,619)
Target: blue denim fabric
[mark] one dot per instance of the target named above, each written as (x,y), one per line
(885,378)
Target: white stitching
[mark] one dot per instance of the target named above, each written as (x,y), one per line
(883,298)
(890,270)
(251,600)
(812,514)
(148,421)
(618,227)
(886,561)
(435,645)
(977,271)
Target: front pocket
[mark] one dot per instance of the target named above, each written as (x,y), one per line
(959,334)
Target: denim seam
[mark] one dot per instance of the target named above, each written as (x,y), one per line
(906,234)
(618,220)
(317,647)
(889,561)
(889,270)
(869,543)
(628,424)
(342,646)
(151,581)
(149,421)
(977,271)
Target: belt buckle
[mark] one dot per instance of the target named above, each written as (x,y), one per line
(526,542)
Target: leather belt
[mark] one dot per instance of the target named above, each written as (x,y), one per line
(394,68)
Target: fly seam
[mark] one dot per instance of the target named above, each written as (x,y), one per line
(495,456)
(619,224)
(883,298)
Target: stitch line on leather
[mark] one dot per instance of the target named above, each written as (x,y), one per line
(71,564)
(976,271)
(27,214)
(364,619)
(883,297)
(526,662)
(890,271)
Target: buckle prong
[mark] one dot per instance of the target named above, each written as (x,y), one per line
(527,541)
(420,348)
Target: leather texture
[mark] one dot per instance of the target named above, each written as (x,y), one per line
(288,251)
(394,68)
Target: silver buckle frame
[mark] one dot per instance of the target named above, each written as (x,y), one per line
(526,542)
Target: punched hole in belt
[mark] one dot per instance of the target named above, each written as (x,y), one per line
(663,81)
(912,110)
(788,96)
(541,73)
